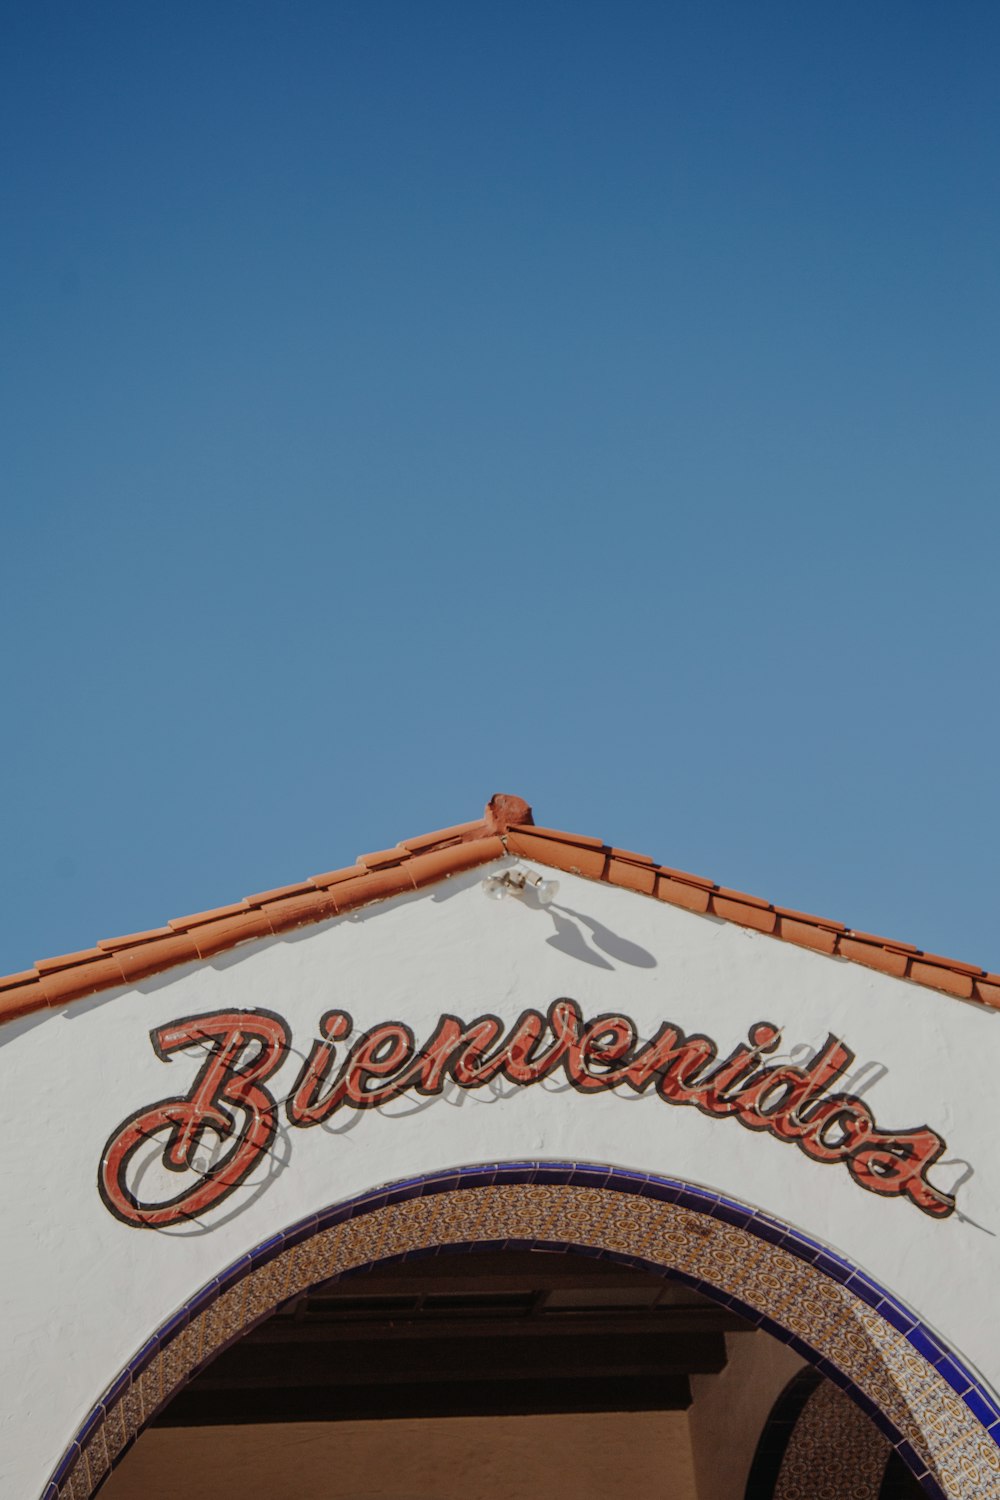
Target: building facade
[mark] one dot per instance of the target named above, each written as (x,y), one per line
(503,1161)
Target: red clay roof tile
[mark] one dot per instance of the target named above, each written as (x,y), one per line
(444,836)
(149,958)
(216,937)
(15,981)
(883,942)
(56,986)
(68,960)
(634,877)
(382,857)
(434,864)
(576,839)
(280,892)
(760,916)
(942,979)
(297,911)
(635,859)
(741,896)
(988,993)
(806,934)
(873,956)
(20,1002)
(506,827)
(133,939)
(337,877)
(699,880)
(680,893)
(805,916)
(201,918)
(580,859)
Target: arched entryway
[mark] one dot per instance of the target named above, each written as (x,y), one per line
(931,1409)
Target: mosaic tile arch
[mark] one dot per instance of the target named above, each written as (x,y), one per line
(942,1424)
(817,1444)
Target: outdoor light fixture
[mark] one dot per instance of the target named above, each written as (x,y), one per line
(517,882)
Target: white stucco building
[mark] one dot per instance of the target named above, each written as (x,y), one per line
(503,1162)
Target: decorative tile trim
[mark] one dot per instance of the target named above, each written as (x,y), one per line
(774,1439)
(818,1444)
(944,1424)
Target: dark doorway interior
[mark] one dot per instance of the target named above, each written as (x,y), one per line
(504,1333)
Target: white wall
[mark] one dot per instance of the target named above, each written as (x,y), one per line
(729,1410)
(83,1291)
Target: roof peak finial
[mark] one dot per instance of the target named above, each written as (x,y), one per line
(504,811)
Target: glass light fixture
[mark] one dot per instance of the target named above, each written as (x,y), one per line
(517,883)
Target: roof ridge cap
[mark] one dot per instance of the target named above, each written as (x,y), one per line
(506,827)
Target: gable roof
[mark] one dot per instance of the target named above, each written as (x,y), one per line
(506,827)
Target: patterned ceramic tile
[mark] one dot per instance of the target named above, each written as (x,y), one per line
(833,1452)
(633,1220)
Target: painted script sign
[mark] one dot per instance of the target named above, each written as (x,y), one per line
(232,1099)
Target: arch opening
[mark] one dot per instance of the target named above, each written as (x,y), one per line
(942,1425)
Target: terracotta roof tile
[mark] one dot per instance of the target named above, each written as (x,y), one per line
(20,1002)
(874,956)
(15,981)
(299,889)
(806,934)
(131,940)
(215,937)
(337,877)
(760,915)
(805,916)
(149,958)
(577,839)
(506,827)
(942,979)
(883,942)
(383,857)
(950,963)
(635,877)
(433,865)
(680,893)
(444,837)
(59,985)
(741,896)
(682,875)
(635,859)
(581,859)
(987,993)
(201,918)
(68,960)
(296,911)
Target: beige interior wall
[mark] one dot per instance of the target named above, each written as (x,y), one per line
(729,1411)
(589,1457)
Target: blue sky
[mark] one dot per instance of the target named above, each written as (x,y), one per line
(409,402)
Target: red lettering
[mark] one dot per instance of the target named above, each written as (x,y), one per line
(308,1104)
(227,1100)
(229,1103)
(382,1052)
(720,1093)
(589,1061)
(775,1098)
(683,1079)
(836,1127)
(453,1051)
(898,1163)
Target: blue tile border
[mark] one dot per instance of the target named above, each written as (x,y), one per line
(982,1404)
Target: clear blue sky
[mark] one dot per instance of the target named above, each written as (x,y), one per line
(405,402)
